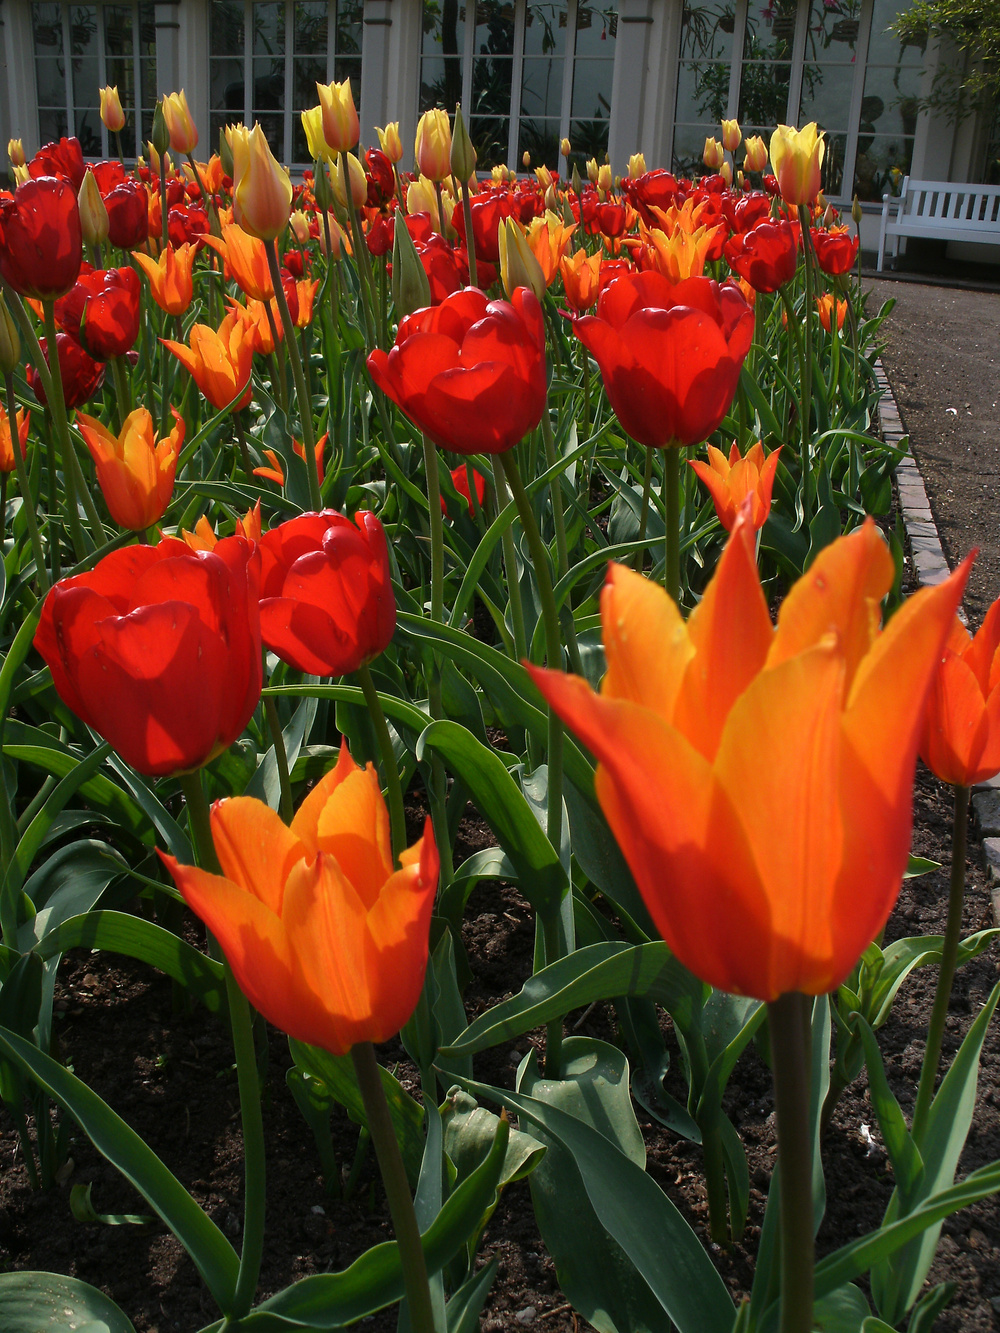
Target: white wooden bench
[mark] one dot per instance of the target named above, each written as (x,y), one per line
(941,211)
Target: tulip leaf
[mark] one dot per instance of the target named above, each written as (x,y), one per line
(213,1255)
(265,783)
(490,863)
(902,956)
(635,1213)
(504,807)
(842,1311)
(167,827)
(600,858)
(907,1163)
(51,1303)
(463,1310)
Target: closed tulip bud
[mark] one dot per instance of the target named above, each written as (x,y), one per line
(526,160)
(551,199)
(518,265)
(160,136)
(856,213)
(713,154)
(262,191)
(390,142)
(411,289)
(797,157)
(726,172)
(564,147)
(821,203)
(577,180)
(739,180)
(592,170)
(636,165)
(299,224)
(433,145)
(341,129)
(543,176)
(10,343)
(756,154)
(111,109)
(731,135)
(312,125)
(225,154)
(180,126)
(322,188)
(15,152)
(359,183)
(336,238)
(605,180)
(463,154)
(21,174)
(93,213)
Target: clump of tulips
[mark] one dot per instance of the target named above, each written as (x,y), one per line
(265,443)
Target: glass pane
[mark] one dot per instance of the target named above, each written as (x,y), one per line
(147,30)
(307,73)
(217,121)
(833,163)
(589,139)
(268,27)
(226,87)
(268,85)
(494,33)
(706,32)
(227,28)
(542,87)
(592,81)
(349,67)
(120,73)
(86,82)
(596,29)
(51,125)
(444,28)
(702,92)
(147,127)
(826,96)
(491,84)
(88,131)
(117,30)
(689,144)
(884,161)
(440,82)
(147,70)
(883,46)
(540,138)
(300,148)
(274,131)
(764,94)
(51,79)
(545,29)
(832,34)
(889,105)
(489,135)
(46,22)
(769,36)
(83,30)
(311,23)
(349,13)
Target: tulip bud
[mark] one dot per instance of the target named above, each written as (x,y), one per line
(93,213)
(359,183)
(526,160)
(390,142)
(262,191)
(829,216)
(312,125)
(576,180)
(463,154)
(111,109)
(756,154)
(518,265)
(551,199)
(592,170)
(341,129)
(731,135)
(299,224)
(15,152)
(180,126)
(740,181)
(225,154)
(726,172)
(713,154)
(564,147)
(797,158)
(10,343)
(433,144)
(605,180)
(856,213)
(21,174)
(336,238)
(160,140)
(636,165)
(411,289)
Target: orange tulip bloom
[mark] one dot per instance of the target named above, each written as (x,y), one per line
(757,780)
(23,419)
(681,254)
(254,316)
(135,471)
(170,280)
(581,274)
(204,539)
(219,361)
(323,936)
(730,480)
(961,736)
(825,304)
(245,259)
(548,238)
(276,471)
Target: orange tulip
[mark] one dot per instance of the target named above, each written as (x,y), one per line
(757,780)
(680,255)
(23,419)
(276,471)
(730,480)
(323,936)
(170,280)
(219,361)
(581,275)
(245,259)
(204,539)
(961,735)
(135,471)
(548,238)
(825,304)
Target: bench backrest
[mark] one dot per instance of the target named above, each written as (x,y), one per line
(951,201)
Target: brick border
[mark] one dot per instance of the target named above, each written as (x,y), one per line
(931,567)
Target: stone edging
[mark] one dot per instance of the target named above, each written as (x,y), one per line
(931,567)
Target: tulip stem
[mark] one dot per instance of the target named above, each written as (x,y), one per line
(24,486)
(280,757)
(292,347)
(254,1157)
(805,223)
(121,389)
(281,383)
(789,1019)
(510,563)
(470,239)
(438,784)
(946,976)
(647,486)
(397,814)
(397,1189)
(360,254)
(672,521)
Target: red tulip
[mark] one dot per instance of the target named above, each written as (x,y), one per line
(158,649)
(81,375)
(102,310)
(960,741)
(488,210)
(766,256)
(327,605)
(63,160)
(670,354)
(41,240)
(128,215)
(469,372)
(836,250)
(460,480)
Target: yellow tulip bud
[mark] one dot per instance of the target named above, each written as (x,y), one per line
(390,142)
(592,170)
(731,135)
(797,157)
(518,266)
(726,172)
(433,145)
(262,191)
(312,125)
(756,154)
(15,152)
(564,147)
(180,126)
(636,165)
(359,185)
(93,214)
(299,224)
(111,109)
(341,128)
(605,180)
(713,154)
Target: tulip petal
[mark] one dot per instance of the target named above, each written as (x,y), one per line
(353,826)
(255,848)
(645,641)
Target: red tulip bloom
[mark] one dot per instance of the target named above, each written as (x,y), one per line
(158,649)
(836,250)
(488,210)
(767,256)
(327,605)
(41,240)
(670,354)
(460,480)
(469,372)
(81,375)
(63,160)
(102,311)
(960,741)
(652,190)
(128,215)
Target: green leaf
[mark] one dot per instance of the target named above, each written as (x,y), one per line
(504,807)
(51,1303)
(843,1311)
(920,865)
(265,783)
(902,956)
(211,1252)
(463,1310)
(907,1163)
(636,1214)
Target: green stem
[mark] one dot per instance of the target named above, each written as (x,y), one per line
(438,785)
(121,388)
(946,976)
(390,1161)
(281,382)
(805,222)
(510,564)
(647,486)
(672,521)
(715,1184)
(360,259)
(241,444)
(397,816)
(281,758)
(470,240)
(788,1017)
(254,1157)
(24,485)
(164,231)
(72,472)
(292,347)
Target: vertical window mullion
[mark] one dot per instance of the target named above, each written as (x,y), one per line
(470,46)
(569,71)
(331,42)
(137,76)
(68,71)
(798,59)
(102,72)
(286,120)
(248,63)
(736,62)
(857,95)
(516,75)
